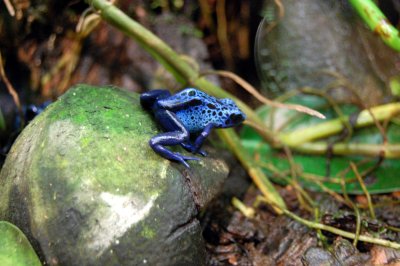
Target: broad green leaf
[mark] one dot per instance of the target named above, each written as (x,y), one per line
(15,249)
(276,165)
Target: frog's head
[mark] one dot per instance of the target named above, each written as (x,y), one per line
(232,115)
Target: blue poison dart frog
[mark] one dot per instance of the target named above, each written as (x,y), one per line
(29,112)
(187,113)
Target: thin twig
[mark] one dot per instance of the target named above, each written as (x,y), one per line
(346,83)
(257,175)
(334,230)
(340,232)
(248,87)
(11,91)
(222,33)
(304,199)
(68,61)
(331,101)
(301,193)
(320,235)
(324,188)
(365,190)
(264,132)
(392,228)
(206,14)
(281,14)
(249,212)
(9,7)
(354,207)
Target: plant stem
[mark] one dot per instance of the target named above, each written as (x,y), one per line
(11,91)
(334,126)
(340,232)
(377,22)
(255,172)
(389,151)
(249,212)
(365,190)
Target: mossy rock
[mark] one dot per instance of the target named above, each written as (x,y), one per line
(82,183)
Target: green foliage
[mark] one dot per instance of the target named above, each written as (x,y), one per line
(268,13)
(15,248)
(190,31)
(394,84)
(377,22)
(329,171)
(164,4)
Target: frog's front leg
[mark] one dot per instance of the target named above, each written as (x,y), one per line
(202,137)
(196,147)
(176,135)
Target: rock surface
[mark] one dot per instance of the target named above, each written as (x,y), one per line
(316,36)
(84,186)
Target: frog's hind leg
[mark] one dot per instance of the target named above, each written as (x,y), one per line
(147,99)
(175,135)
(158,142)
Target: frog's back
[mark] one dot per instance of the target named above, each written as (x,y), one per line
(196,118)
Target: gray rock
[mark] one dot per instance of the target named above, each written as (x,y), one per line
(84,186)
(316,36)
(343,253)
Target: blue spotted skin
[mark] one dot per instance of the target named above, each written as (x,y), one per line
(188,112)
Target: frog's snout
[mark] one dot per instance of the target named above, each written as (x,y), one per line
(237,118)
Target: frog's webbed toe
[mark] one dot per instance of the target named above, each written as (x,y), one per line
(182,159)
(202,152)
(191,148)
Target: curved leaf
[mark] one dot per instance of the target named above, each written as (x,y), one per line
(15,248)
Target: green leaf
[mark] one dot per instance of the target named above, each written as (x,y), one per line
(394,84)
(2,122)
(15,248)
(276,165)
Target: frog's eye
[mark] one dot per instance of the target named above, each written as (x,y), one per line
(236,118)
(188,92)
